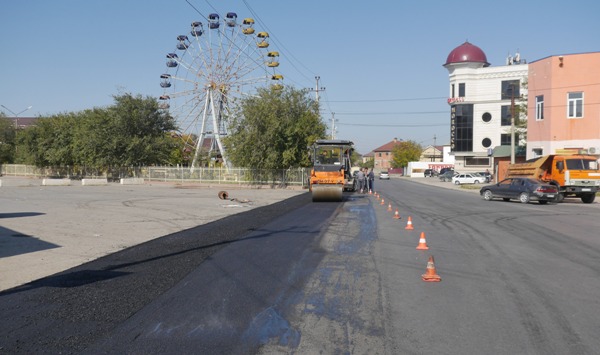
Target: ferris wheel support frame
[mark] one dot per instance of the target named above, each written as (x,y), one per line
(217,127)
(200,142)
(216,120)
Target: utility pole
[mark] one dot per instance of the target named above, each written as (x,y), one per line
(317,89)
(333,125)
(434,148)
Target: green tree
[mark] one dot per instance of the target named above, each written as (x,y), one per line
(404,152)
(131,132)
(521,115)
(356,158)
(7,140)
(141,131)
(273,129)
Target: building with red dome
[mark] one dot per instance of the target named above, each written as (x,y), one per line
(467,53)
(480,98)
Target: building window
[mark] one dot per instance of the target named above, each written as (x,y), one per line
(477,161)
(486,117)
(539,107)
(510,89)
(461,128)
(379,154)
(505,115)
(537,152)
(505,139)
(575,105)
(452,90)
(486,142)
(461,90)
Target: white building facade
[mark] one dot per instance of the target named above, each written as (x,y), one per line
(482,101)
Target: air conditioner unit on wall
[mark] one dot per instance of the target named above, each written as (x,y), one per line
(594,150)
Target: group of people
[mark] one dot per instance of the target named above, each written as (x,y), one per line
(366,180)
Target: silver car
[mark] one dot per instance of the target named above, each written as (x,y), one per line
(467,179)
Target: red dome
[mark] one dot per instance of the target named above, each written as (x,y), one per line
(467,53)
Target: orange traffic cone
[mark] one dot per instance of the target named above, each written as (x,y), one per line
(431,275)
(370,192)
(396,214)
(382,202)
(409,224)
(422,242)
(390,207)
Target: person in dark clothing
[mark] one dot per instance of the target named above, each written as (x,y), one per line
(371,180)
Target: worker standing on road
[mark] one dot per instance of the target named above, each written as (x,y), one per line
(360,176)
(371,180)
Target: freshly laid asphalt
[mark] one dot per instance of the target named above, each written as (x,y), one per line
(48,229)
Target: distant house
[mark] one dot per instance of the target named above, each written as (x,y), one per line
(23,122)
(366,157)
(433,153)
(382,156)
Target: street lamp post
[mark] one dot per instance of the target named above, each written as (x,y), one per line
(16,115)
(512,128)
(512,123)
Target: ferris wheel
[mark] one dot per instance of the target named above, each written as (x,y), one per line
(211,68)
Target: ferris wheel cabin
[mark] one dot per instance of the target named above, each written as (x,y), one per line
(213,21)
(197,29)
(247,24)
(231,19)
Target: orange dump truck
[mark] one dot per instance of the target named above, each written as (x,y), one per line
(575,175)
(331,172)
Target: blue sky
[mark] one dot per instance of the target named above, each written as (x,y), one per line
(380,61)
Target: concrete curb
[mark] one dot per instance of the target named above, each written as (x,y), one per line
(132,181)
(56,182)
(94,182)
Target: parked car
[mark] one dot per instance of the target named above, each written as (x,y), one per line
(486,174)
(485,178)
(443,170)
(467,179)
(447,175)
(521,188)
(430,173)
(384,175)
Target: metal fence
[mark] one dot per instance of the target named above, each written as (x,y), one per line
(232,176)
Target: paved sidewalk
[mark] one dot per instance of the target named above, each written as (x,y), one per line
(48,229)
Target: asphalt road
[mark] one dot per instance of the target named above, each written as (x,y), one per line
(516,278)
(302,277)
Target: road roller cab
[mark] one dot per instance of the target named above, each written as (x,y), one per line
(330,174)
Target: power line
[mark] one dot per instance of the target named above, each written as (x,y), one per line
(393,125)
(393,113)
(390,100)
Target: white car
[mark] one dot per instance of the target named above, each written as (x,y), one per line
(468,179)
(384,175)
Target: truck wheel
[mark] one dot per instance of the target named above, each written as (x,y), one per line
(588,198)
(524,197)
